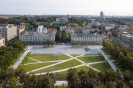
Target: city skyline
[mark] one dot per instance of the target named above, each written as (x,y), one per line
(63,7)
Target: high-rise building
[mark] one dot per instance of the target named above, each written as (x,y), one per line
(102,16)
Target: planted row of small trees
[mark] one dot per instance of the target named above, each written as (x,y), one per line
(78,43)
(83,43)
(49,43)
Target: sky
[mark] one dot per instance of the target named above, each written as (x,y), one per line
(63,7)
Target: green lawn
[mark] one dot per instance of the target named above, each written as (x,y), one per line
(28,60)
(39,23)
(74,55)
(89,59)
(78,69)
(101,66)
(64,65)
(35,66)
(49,57)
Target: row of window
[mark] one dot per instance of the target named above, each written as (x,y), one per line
(35,39)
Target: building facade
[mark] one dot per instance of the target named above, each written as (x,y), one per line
(62,19)
(41,29)
(90,38)
(8,31)
(126,37)
(70,30)
(2,41)
(21,28)
(37,37)
(62,28)
(102,16)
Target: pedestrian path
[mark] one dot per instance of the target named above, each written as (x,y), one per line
(34,59)
(16,65)
(113,66)
(63,61)
(76,58)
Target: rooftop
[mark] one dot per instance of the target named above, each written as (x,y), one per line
(1,37)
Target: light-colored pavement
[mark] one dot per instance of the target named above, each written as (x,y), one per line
(61,83)
(34,59)
(120,41)
(113,66)
(59,70)
(68,49)
(16,65)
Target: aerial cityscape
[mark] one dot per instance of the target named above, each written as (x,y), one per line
(55,44)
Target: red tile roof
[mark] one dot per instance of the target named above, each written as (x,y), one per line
(3,24)
(50,29)
(71,28)
(93,28)
(1,37)
(79,28)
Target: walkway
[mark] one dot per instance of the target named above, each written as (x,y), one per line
(76,58)
(113,66)
(16,65)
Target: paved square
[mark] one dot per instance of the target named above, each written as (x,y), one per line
(68,49)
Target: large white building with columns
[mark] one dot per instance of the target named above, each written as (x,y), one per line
(95,39)
(37,37)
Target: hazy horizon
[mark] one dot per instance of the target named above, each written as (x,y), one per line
(63,7)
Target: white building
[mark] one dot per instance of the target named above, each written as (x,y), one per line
(108,27)
(21,28)
(62,19)
(88,30)
(70,30)
(8,31)
(62,28)
(41,29)
(90,38)
(94,22)
(37,37)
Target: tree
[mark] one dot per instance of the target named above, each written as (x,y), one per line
(110,35)
(73,79)
(86,43)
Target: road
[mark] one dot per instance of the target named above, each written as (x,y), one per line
(16,65)
(120,41)
(113,66)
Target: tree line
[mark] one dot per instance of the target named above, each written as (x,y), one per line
(123,57)
(78,43)
(10,52)
(47,21)
(19,79)
(93,79)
